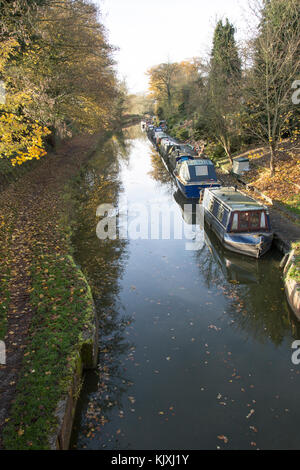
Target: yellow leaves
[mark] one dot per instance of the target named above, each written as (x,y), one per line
(21,141)
(8,48)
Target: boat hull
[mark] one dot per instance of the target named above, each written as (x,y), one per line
(249,244)
(193,191)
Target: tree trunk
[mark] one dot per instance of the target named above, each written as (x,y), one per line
(272,159)
(228,153)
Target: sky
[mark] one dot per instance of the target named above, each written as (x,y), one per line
(149,32)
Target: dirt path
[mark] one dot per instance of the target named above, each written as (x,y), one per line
(36,201)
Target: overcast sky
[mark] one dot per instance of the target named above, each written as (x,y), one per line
(151,32)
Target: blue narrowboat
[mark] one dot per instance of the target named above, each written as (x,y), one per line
(175,160)
(240,222)
(193,175)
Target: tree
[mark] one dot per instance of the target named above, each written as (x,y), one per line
(175,88)
(58,73)
(223,87)
(69,69)
(162,81)
(275,54)
(21,139)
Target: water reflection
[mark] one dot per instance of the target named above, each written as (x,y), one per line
(103,263)
(193,344)
(258,307)
(159,171)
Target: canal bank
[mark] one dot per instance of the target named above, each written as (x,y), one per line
(292,278)
(195,344)
(48,322)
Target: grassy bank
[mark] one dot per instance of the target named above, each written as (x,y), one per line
(40,282)
(294,271)
(63,307)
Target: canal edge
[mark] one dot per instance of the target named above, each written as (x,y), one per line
(87,355)
(291,285)
(86,359)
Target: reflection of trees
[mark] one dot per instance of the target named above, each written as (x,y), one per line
(102,261)
(123,145)
(134,132)
(258,308)
(159,172)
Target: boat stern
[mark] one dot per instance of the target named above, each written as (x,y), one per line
(254,245)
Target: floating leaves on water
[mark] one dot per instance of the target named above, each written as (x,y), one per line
(223,438)
(250,414)
(214,327)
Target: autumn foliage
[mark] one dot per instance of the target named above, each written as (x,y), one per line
(56,73)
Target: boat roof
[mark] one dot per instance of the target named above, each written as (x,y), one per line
(200,161)
(236,200)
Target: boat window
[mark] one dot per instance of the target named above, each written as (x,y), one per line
(200,173)
(211,203)
(216,208)
(243,220)
(255,220)
(220,213)
(263,222)
(235,220)
(249,221)
(201,170)
(225,216)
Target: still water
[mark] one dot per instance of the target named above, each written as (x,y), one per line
(195,345)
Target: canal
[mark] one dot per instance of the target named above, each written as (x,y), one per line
(195,342)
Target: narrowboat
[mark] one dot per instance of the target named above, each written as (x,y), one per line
(176,158)
(235,268)
(193,175)
(241,223)
(151,133)
(156,131)
(178,149)
(149,129)
(165,145)
(163,124)
(160,136)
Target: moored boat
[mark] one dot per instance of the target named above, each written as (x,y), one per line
(239,221)
(165,145)
(193,175)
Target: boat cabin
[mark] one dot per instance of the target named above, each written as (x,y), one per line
(240,222)
(165,144)
(176,158)
(195,170)
(160,136)
(193,175)
(178,149)
(236,211)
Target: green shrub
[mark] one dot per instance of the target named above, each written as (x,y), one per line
(182,134)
